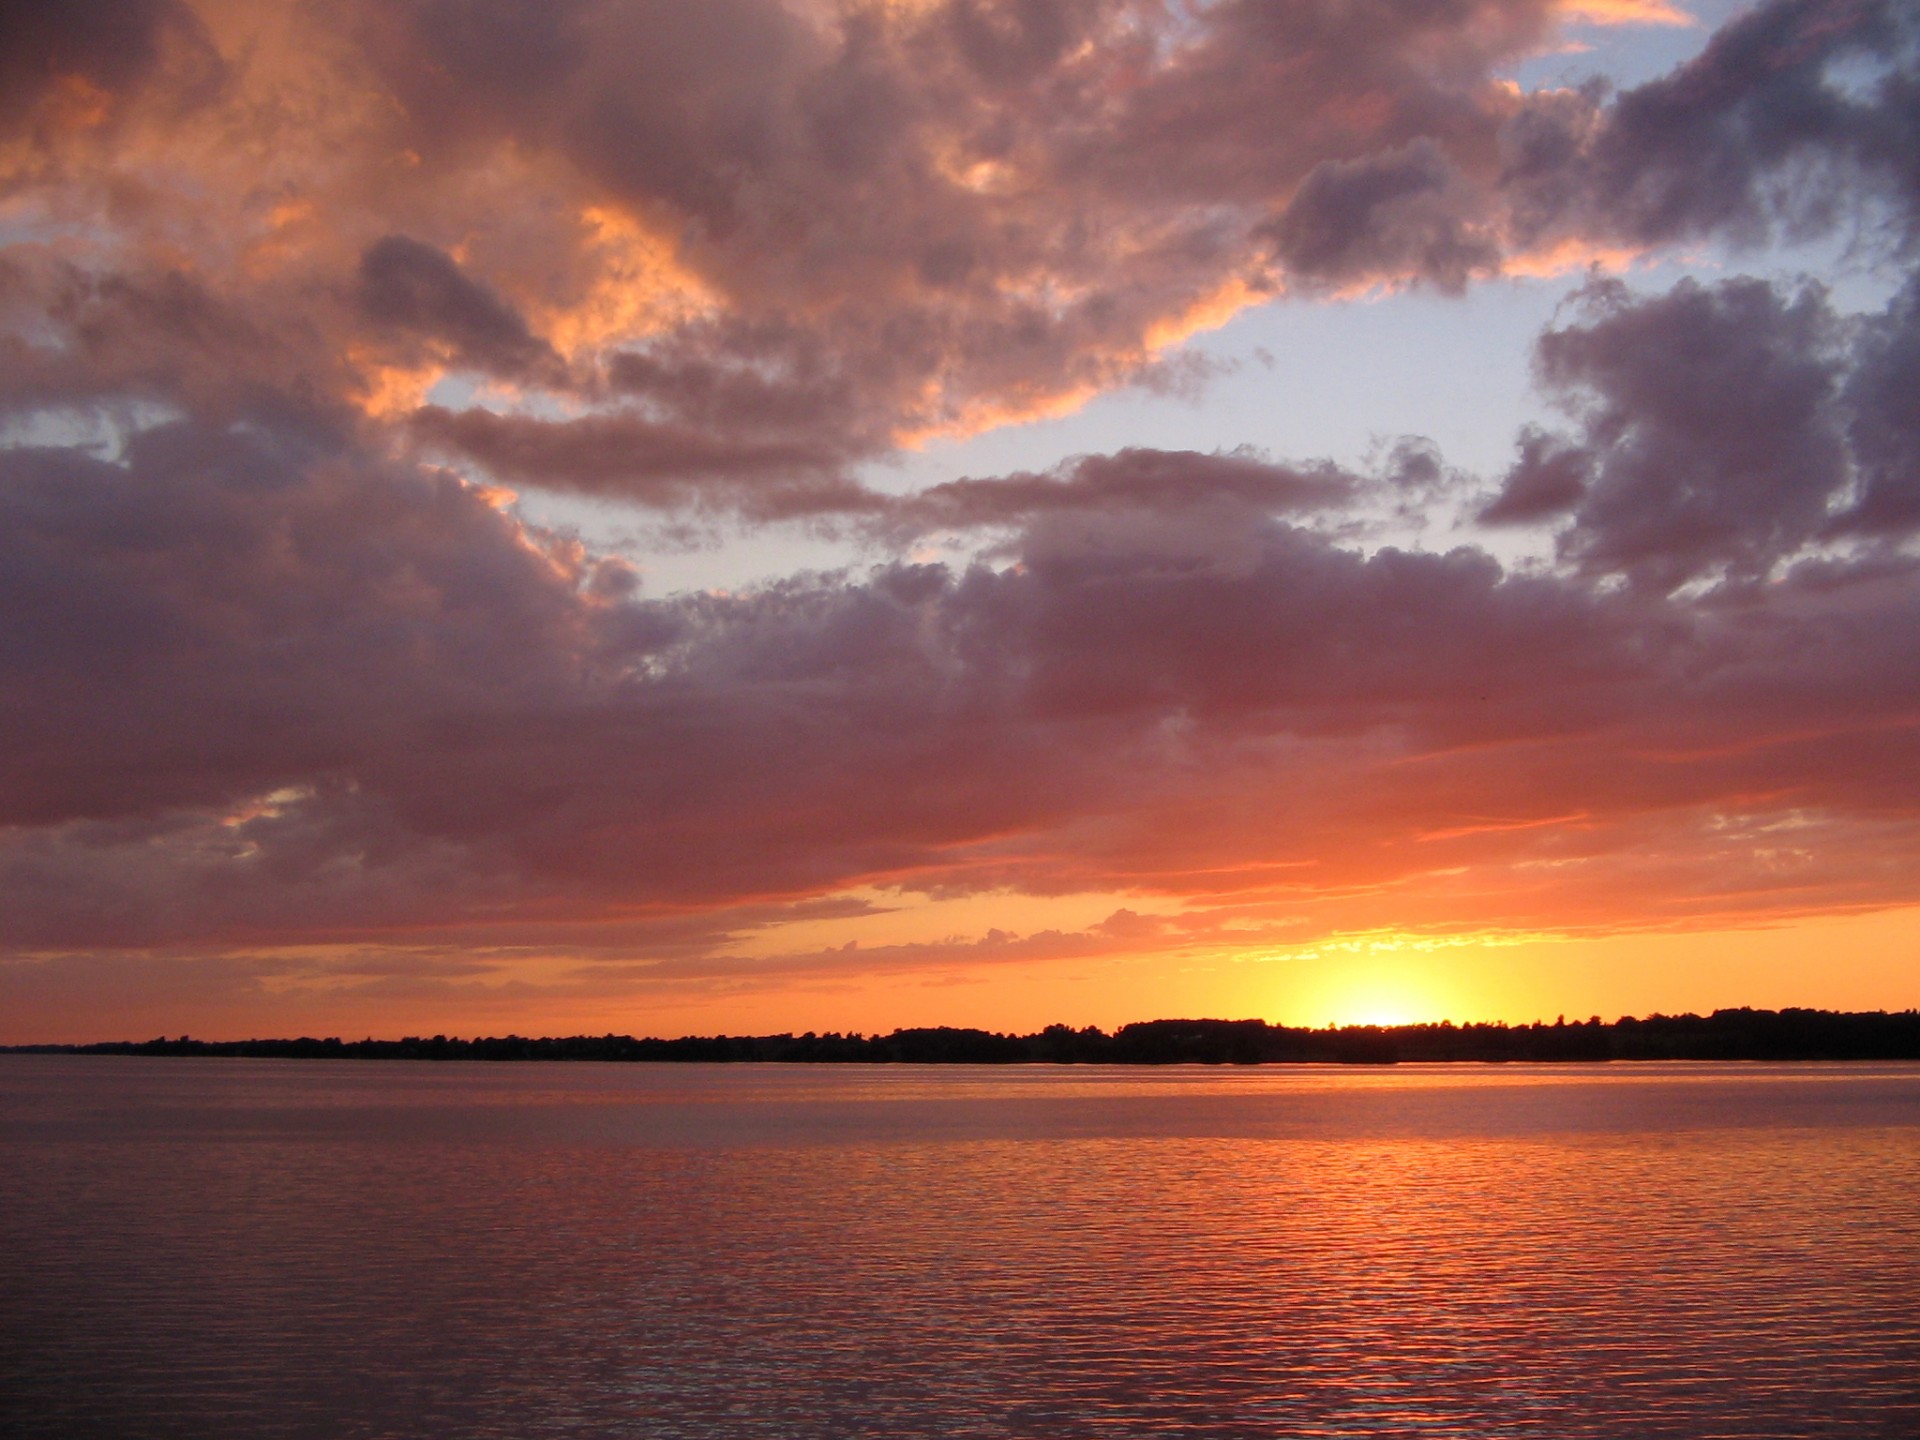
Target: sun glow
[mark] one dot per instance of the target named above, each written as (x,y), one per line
(1391,977)
(639,287)
(1376,995)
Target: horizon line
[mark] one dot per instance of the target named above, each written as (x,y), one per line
(1790,1032)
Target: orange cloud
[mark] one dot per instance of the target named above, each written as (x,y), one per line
(1626,12)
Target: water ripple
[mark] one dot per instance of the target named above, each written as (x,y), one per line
(261,1249)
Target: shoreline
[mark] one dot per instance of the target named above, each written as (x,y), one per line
(1734,1035)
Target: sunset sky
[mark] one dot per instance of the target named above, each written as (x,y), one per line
(666,517)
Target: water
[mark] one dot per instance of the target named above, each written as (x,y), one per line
(209,1248)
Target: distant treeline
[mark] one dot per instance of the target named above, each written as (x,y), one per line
(1723,1035)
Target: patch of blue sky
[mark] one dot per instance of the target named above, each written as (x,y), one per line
(102,431)
(1624,55)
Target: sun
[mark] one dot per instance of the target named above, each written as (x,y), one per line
(1379,1008)
(1370,981)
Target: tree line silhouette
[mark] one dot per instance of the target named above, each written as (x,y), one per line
(1742,1034)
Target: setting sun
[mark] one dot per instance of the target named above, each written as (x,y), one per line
(1375,980)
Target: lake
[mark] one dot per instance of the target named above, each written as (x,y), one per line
(235,1248)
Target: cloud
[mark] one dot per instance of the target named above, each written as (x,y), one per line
(1403,212)
(1882,404)
(268,692)
(1725,431)
(663,464)
(1628,12)
(83,340)
(1710,431)
(1155,482)
(794,237)
(406,285)
(71,67)
(1547,480)
(222,610)
(1795,114)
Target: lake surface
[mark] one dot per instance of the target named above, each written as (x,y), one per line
(233,1248)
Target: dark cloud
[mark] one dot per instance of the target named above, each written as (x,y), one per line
(1138,480)
(1709,425)
(67,63)
(264,690)
(1547,480)
(1797,114)
(766,379)
(1392,214)
(86,339)
(226,612)
(1724,430)
(1883,408)
(416,287)
(667,465)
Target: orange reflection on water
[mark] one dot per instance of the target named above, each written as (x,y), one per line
(1628,1252)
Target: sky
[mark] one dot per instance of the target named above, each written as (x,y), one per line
(572,516)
